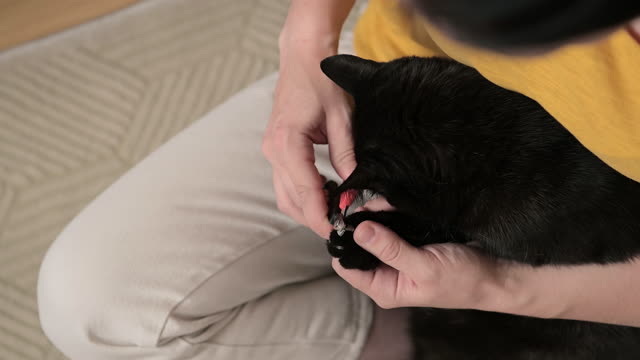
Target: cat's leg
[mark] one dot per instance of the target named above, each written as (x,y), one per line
(416,231)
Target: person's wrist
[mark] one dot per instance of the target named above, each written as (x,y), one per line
(307,45)
(506,289)
(308,32)
(309,37)
(314,23)
(306,54)
(526,290)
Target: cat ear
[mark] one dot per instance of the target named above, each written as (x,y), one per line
(348,71)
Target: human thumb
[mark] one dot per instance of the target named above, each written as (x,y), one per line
(387,246)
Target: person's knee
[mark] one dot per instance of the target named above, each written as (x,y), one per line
(84,305)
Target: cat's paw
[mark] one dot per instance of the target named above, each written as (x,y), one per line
(350,254)
(341,244)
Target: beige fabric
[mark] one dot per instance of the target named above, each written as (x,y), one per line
(187,257)
(80,108)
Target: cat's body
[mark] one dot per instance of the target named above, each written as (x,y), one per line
(461,159)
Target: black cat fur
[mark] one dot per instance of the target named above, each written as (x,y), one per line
(462,160)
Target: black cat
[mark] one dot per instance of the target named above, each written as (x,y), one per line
(462,160)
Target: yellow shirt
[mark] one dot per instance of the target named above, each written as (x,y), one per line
(593,89)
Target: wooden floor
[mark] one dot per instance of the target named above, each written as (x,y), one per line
(25,20)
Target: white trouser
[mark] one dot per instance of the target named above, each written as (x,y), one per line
(187,257)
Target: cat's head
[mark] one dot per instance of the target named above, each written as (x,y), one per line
(411,120)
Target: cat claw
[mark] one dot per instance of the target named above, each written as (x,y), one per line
(359,200)
(349,202)
(340,226)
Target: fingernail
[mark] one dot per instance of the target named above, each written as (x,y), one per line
(364,233)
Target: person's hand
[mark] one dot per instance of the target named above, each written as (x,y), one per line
(308,109)
(438,275)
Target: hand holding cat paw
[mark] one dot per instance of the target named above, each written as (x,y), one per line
(308,109)
(439,275)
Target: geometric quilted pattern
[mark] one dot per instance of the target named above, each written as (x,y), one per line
(80,108)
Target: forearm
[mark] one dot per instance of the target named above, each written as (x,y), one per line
(600,293)
(314,23)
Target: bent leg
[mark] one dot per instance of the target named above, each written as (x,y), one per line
(187,257)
